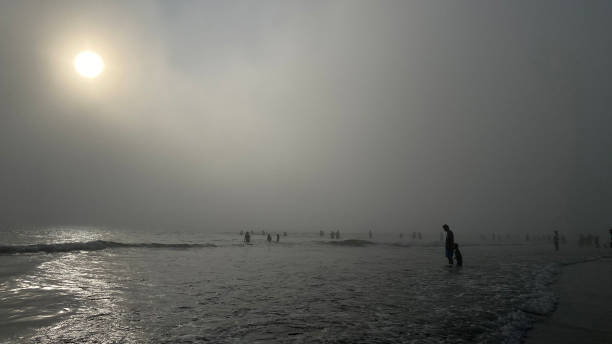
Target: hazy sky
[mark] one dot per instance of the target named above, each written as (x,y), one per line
(487,115)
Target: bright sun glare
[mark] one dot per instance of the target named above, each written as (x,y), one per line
(88,64)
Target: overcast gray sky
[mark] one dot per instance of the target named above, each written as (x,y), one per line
(487,115)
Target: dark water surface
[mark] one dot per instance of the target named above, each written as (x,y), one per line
(211,288)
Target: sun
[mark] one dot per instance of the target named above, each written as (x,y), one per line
(88,64)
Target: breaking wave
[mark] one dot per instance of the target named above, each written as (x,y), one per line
(89,246)
(351,242)
(542,302)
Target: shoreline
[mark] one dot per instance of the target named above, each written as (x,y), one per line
(583,311)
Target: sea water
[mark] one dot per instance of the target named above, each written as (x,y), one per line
(101,285)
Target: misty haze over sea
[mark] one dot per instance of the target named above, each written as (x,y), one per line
(141,140)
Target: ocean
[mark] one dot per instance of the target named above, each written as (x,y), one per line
(111,285)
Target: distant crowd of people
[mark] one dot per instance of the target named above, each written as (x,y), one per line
(588,240)
(334,235)
(584,240)
(415,235)
(452,252)
(247,235)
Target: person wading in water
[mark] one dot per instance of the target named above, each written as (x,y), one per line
(450,243)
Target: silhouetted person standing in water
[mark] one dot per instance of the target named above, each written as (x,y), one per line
(458,256)
(450,243)
(277,237)
(269,238)
(247,237)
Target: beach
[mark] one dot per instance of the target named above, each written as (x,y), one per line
(583,313)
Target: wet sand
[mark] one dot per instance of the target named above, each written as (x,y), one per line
(584,310)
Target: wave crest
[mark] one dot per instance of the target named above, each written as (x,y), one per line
(89,246)
(351,242)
